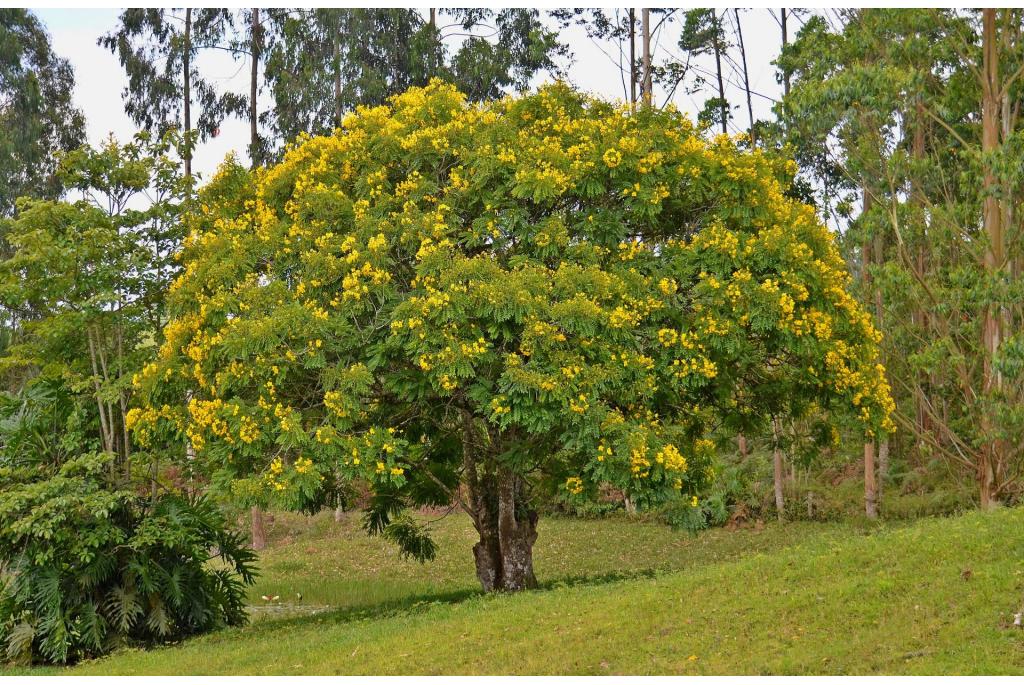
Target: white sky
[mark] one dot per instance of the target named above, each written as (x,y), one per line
(99,79)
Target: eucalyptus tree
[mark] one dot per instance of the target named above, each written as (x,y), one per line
(322,63)
(158,49)
(909,113)
(38,118)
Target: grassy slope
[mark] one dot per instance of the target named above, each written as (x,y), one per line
(839,602)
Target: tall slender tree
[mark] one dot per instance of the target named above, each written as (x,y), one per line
(158,49)
(746,78)
(648,82)
(703,33)
(38,119)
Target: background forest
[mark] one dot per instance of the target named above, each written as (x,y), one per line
(904,126)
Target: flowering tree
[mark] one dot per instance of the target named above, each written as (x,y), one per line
(463,303)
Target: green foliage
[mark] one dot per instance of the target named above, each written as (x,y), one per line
(322,63)
(84,284)
(153,46)
(86,562)
(885,117)
(41,424)
(410,538)
(38,119)
(88,566)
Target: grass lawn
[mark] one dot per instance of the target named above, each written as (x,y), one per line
(624,596)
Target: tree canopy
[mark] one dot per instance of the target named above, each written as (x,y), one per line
(544,292)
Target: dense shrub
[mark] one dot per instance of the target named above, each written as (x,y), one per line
(87,566)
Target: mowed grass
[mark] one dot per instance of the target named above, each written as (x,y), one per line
(336,564)
(622,596)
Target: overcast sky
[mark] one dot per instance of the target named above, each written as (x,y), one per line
(99,79)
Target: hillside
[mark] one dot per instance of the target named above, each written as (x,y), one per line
(796,599)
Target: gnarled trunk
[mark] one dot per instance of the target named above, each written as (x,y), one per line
(502,514)
(508,529)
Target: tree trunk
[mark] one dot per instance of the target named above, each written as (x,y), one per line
(502,515)
(337,73)
(785,40)
(883,443)
(508,530)
(187,90)
(628,504)
(632,56)
(106,428)
(741,443)
(724,108)
(746,79)
(648,78)
(883,465)
(870,495)
(254,132)
(991,454)
(259,533)
(780,500)
(919,316)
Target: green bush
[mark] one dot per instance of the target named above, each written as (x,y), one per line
(86,566)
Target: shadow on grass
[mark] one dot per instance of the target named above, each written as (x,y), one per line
(416,604)
(409,606)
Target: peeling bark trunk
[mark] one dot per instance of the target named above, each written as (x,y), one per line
(723,105)
(746,79)
(648,80)
(992,454)
(336,65)
(187,89)
(254,75)
(632,57)
(785,40)
(919,315)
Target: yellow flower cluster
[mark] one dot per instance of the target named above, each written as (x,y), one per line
(356,283)
(672,460)
(639,464)
(612,158)
(274,472)
(249,430)
(694,366)
(621,317)
(579,404)
(498,406)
